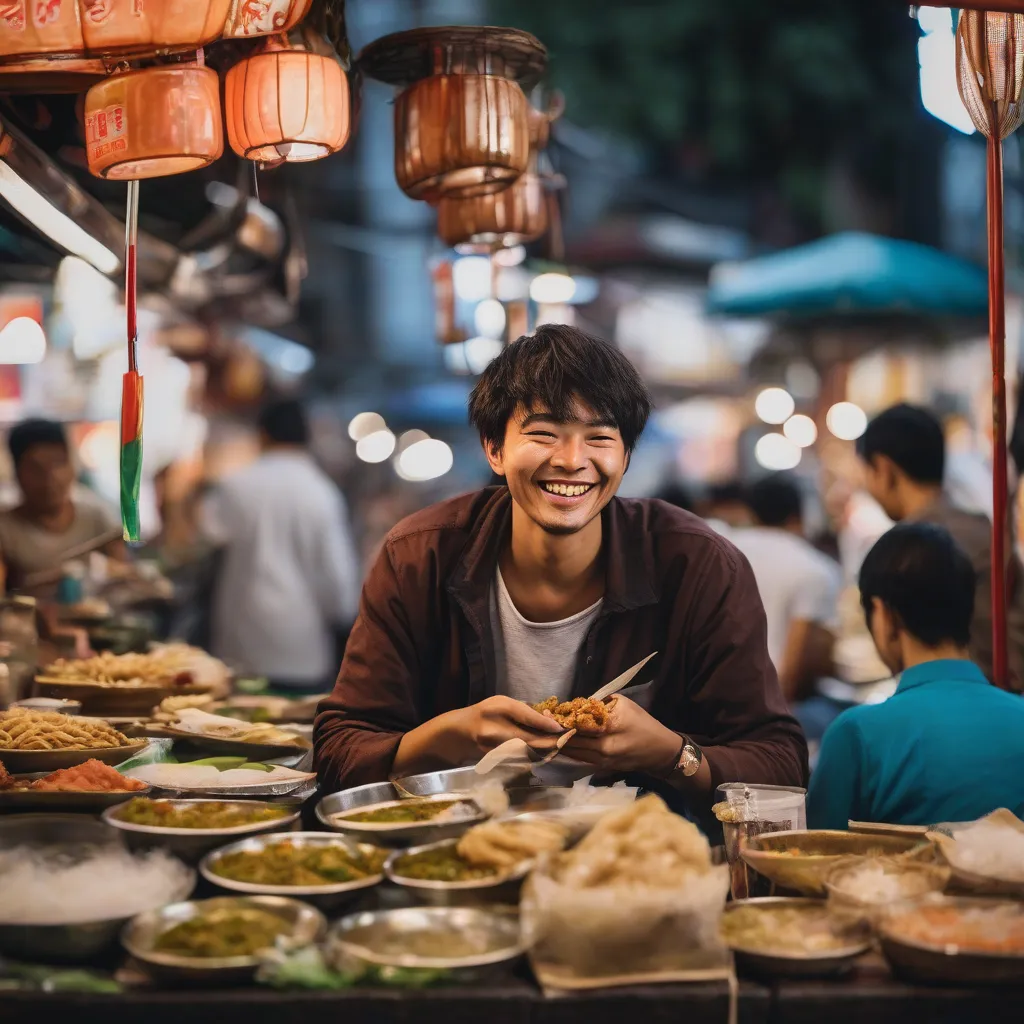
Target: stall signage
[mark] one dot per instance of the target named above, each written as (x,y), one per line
(106,131)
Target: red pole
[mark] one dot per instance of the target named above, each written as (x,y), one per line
(997,342)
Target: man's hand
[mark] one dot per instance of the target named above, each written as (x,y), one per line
(634,741)
(484,726)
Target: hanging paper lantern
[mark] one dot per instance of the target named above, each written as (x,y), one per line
(516,215)
(290,101)
(49,45)
(461,121)
(153,122)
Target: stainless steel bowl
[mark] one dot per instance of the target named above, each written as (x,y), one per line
(398,938)
(63,943)
(461,780)
(499,889)
(796,965)
(330,809)
(327,897)
(141,934)
(192,844)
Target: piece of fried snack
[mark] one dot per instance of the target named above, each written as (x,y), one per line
(504,844)
(581,713)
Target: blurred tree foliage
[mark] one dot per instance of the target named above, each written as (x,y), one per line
(741,90)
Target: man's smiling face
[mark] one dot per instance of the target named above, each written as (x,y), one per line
(561,473)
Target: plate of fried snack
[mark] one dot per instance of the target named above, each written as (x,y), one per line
(221,735)
(89,786)
(43,741)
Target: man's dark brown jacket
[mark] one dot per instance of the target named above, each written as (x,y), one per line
(422,643)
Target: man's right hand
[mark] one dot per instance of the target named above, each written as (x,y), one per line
(484,726)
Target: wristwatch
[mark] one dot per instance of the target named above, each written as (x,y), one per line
(689,759)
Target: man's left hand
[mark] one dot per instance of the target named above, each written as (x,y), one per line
(634,741)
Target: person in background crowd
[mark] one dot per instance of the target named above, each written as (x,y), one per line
(725,507)
(551,586)
(289,576)
(678,495)
(947,745)
(904,452)
(37,535)
(798,585)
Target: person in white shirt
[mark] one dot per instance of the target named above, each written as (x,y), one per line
(799,586)
(289,578)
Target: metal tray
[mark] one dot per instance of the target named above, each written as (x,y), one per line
(140,936)
(218,745)
(192,844)
(796,965)
(390,834)
(367,936)
(498,889)
(41,800)
(23,762)
(327,897)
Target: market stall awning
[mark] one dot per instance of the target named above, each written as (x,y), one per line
(850,273)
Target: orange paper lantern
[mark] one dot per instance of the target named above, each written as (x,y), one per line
(460,136)
(50,44)
(288,102)
(154,122)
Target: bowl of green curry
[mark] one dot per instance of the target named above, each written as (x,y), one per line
(326,870)
(219,941)
(192,828)
(436,874)
(367,814)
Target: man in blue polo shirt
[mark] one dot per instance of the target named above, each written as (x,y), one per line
(947,746)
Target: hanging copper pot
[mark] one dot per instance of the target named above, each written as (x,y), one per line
(461,121)
(290,101)
(154,122)
(516,215)
(460,135)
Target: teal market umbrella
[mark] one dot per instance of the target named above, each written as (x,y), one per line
(853,274)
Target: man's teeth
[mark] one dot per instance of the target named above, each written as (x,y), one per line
(567,490)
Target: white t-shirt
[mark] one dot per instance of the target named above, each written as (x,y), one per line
(535,660)
(795,580)
(290,573)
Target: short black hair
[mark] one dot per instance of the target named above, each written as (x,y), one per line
(551,368)
(912,437)
(732,492)
(776,500)
(28,433)
(284,422)
(920,573)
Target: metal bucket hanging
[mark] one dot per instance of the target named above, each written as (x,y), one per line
(154,122)
(461,120)
(514,216)
(990,75)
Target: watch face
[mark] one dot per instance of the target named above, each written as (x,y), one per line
(689,762)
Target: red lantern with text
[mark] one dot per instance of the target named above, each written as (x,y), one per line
(154,122)
(290,101)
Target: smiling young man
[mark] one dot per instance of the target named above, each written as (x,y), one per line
(551,586)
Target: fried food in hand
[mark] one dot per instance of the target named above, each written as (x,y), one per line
(24,729)
(581,713)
